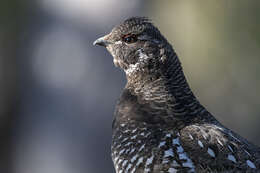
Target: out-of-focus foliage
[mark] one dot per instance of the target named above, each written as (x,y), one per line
(10,28)
(219,44)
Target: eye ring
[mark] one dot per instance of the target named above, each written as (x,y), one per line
(129,38)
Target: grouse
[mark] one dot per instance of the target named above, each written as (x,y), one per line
(159,125)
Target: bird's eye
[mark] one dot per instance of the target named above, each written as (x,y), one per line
(129,38)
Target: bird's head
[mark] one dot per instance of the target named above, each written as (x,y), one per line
(135,44)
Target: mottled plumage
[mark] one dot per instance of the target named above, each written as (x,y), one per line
(159,125)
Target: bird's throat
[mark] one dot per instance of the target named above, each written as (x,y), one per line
(165,88)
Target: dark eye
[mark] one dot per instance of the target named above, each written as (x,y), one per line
(129,38)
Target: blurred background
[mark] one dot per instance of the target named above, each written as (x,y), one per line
(58,92)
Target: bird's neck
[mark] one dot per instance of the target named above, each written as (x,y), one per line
(166,87)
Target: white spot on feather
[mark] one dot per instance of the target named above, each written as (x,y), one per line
(118,146)
(135,67)
(149,161)
(133,170)
(128,167)
(120,136)
(172,170)
(126,131)
(229,147)
(251,164)
(129,143)
(179,149)
(147,134)
(125,139)
(133,137)
(175,164)
(134,158)
(117,168)
(162,144)
(211,152)
(168,153)
(169,135)
(142,56)
(127,150)
(118,42)
(132,68)
(116,159)
(120,160)
(176,141)
(204,136)
(146,170)
(142,147)
(220,142)
(124,163)
(132,150)
(200,144)
(122,151)
(140,160)
(188,164)
(190,136)
(114,153)
(183,156)
(134,130)
(232,158)
(165,161)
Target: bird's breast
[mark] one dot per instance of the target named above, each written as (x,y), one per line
(146,149)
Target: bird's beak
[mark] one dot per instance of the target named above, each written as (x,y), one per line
(101,42)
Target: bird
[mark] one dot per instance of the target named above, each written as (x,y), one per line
(159,125)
